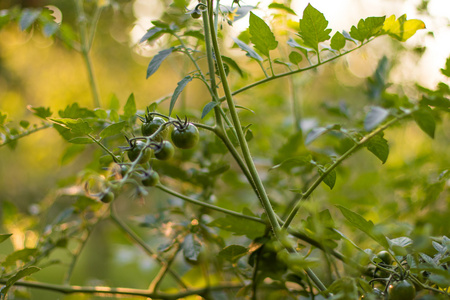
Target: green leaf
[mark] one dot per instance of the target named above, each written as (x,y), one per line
(114,102)
(365,226)
(3,118)
(23,255)
(338,41)
(157,60)
(74,111)
(41,112)
(24,124)
(261,35)
(446,71)
(233,252)
(154,33)
(367,28)
(313,28)
(112,129)
(19,275)
(232,64)
(344,288)
(180,86)
(129,110)
(239,226)
(77,127)
(330,179)
(425,120)
(379,147)
(191,247)
(375,116)
(250,52)
(208,107)
(195,33)
(295,57)
(28,17)
(281,6)
(4,237)
(402,29)
(71,152)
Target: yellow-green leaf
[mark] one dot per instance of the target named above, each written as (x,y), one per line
(402,29)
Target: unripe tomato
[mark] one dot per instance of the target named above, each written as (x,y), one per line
(196,14)
(185,136)
(107,197)
(402,290)
(385,257)
(134,152)
(164,151)
(148,128)
(151,178)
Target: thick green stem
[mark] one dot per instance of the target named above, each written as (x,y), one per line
(237,125)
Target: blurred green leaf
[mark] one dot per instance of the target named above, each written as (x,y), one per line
(379,147)
(74,111)
(446,70)
(233,252)
(402,29)
(78,126)
(19,275)
(250,52)
(295,57)
(330,179)
(191,247)
(239,226)
(23,255)
(367,28)
(41,112)
(375,116)
(28,17)
(208,107)
(425,120)
(232,64)
(4,236)
(129,110)
(283,7)
(112,129)
(337,41)
(365,226)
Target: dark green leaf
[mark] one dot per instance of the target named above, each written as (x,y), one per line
(378,145)
(313,28)
(3,118)
(24,124)
(446,71)
(239,226)
(261,35)
(112,129)
(367,28)
(180,86)
(23,255)
(425,120)
(195,33)
(157,60)
(281,6)
(154,33)
(365,226)
(129,110)
(208,107)
(330,179)
(4,236)
(233,252)
(191,247)
(41,112)
(28,17)
(250,52)
(375,116)
(337,41)
(232,64)
(295,57)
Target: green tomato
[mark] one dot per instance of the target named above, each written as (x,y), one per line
(136,150)
(165,152)
(402,290)
(196,14)
(107,197)
(148,128)
(385,257)
(185,136)
(151,178)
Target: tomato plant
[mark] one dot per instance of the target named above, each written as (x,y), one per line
(279,192)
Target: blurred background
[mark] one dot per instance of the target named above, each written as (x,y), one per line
(40,71)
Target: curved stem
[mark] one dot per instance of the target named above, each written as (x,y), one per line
(347,154)
(27,133)
(103,147)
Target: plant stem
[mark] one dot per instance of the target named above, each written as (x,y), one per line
(237,125)
(163,271)
(103,147)
(344,156)
(207,205)
(85,49)
(27,133)
(143,245)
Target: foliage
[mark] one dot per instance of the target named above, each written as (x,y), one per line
(230,216)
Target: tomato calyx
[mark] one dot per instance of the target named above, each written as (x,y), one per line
(185,135)
(196,13)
